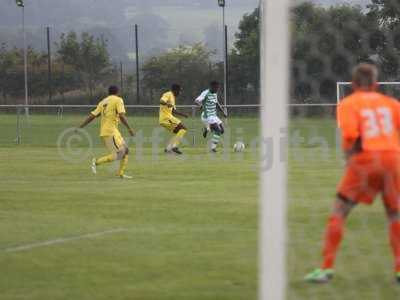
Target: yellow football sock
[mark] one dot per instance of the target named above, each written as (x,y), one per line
(106,159)
(181,133)
(122,165)
(176,140)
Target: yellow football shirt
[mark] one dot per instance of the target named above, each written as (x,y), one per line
(109,110)
(165,111)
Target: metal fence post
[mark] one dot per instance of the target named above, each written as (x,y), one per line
(137,64)
(193,129)
(18,138)
(60,111)
(49,75)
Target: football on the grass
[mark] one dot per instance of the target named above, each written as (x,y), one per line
(239,147)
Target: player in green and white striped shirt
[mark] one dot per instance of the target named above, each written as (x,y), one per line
(208,100)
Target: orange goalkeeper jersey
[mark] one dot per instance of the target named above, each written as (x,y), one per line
(371,117)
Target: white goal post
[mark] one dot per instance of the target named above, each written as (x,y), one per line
(274,98)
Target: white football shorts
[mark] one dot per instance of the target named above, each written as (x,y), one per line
(210,120)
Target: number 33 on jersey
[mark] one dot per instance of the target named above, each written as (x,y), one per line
(372,117)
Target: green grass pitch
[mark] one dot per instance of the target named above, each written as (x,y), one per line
(181,229)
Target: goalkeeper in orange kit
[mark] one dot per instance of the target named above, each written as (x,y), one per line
(370,124)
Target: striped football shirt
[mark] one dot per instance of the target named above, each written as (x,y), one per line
(209,102)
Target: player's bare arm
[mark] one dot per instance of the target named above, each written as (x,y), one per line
(87,121)
(199,105)
(354,149)
(223,110)
(124,121)
(178,113)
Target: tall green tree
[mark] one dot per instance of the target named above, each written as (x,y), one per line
(326,44)
(244,60)
(69,49)
(12,73)
(388,11)
(190,66)
(88,55)
(9,59)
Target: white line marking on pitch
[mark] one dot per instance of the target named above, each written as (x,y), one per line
(164,230)
(63,240)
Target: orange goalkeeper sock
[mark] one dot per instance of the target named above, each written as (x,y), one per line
(394,234)
(333,237)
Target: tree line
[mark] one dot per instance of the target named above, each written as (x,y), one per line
(81,63)
(326,43)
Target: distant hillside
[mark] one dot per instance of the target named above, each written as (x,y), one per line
(334,2)
(362,2)
(163,23)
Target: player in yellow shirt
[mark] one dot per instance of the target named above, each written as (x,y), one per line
(169,121)
(112,111)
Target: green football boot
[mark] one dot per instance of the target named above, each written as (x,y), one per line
(319,276)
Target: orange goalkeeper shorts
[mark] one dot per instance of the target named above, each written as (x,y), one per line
(370,173)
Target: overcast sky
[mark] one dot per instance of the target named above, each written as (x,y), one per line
(163,23)
(61,12)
